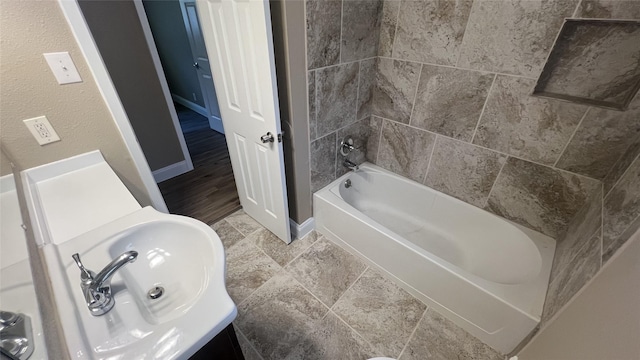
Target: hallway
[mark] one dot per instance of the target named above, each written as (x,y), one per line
(208,192)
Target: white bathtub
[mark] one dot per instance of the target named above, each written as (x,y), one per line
(484,273)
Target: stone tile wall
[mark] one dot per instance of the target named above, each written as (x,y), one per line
(445,101)
(342,46)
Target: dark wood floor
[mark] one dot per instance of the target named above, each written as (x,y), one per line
(207,193)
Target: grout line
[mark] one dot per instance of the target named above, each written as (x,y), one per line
(303,251)
(395,31)
(620,178)
(486,202)
(357,104)
(555,164)
(424,314)
(341,24)
(352,329)
(382,120)
(433,148)
(575,12)
(342,64)
(602,227)
(486,101)
(237,328)
(315,102)
(415,94)
(464,36)
(349,288)
(310,293)
(459,68)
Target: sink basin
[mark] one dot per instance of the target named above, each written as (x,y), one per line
(181,255)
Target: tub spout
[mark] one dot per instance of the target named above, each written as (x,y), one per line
(350,165)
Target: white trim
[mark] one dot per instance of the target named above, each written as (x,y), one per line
(190,105)
(82,34)
(148,35)
(171,171)
(302,230)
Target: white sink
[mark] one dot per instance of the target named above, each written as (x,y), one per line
(182,255)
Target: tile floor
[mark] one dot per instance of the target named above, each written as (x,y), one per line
(313,300)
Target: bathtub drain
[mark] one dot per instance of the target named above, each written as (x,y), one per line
(155,292)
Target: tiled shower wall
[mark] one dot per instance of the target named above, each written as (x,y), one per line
(443,98)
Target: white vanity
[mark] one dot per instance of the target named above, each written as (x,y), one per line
(170,300)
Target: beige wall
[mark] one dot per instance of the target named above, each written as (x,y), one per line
(28,89)
(289,43)
(5,166)
(603,322)
(128,59)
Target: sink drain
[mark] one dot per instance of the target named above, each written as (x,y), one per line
(155,292)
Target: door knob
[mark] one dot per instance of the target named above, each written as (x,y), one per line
(195,65)
(266,138)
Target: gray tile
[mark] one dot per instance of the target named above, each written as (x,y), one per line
(277,249)
(247,350)
(609,9)
(405,150)
(594,63)
(463,170)
(438,338)
(332,339)
(247,269)
(361,133)
(312,104)
(601,139)
(395,89)
(611,248)
(380,311)
(621,209)
(574,276)
(326,270)
(512,37)
(323,32)
(449,101)
(621,165)
(539,197)
(243,222)
(227,233)
(336,92)
(518,124)
(388,27)
(431,31)
(366,80)
(278,316)
(360,29)
(323,161)
(375,124)
(580,230)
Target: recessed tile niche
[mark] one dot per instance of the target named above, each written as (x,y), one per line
(594,62)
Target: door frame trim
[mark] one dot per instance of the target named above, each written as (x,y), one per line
(148,35)
(88,47)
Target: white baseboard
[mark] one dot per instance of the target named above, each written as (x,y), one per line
(171,171)
(302,230)
(190,105)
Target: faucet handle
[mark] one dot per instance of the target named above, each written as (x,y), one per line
(85,273)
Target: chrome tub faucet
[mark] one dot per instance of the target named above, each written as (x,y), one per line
(97,288)
(350,165)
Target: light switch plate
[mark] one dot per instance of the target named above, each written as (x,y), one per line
(42,130)
(63,67)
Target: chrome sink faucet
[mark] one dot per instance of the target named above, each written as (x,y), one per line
(97,288)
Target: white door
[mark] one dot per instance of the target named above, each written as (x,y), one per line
(238,36)
(201,63)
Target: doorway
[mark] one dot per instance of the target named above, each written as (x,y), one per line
(208,192)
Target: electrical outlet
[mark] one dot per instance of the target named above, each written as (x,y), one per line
(42,130)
